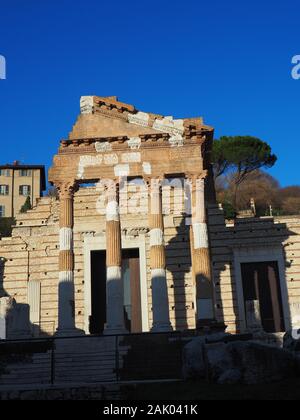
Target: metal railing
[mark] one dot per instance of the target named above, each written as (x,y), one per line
(92,359)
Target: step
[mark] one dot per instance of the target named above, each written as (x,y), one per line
(89,374)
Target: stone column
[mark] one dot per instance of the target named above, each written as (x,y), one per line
(115,322)
(201,254)
(6,308)
(34,302)
(66,299)
(160,299)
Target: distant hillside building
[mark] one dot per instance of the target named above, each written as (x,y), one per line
(17,182)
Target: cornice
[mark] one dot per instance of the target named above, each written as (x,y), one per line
(148,141)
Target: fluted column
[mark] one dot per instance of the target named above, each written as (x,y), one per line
(115,322)
(201,254)
(66,298)
(160,300)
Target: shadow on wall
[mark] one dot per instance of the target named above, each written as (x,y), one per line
(263,285)
(178,259)
(15,317)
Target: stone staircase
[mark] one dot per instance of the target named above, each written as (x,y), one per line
(27,371)
(88,360)
(91,360)
(152,357)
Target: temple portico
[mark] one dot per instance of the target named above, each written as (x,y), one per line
(153,149)
(125,246)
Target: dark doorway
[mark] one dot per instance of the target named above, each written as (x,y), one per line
(132,291)
(261,283)
(98,290)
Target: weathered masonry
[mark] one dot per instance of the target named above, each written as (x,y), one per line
(111,145)
(135,241)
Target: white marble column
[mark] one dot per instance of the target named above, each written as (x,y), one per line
(34,302)
(66,292)
(160,299)
(115,322)
(6,306)
(201,254)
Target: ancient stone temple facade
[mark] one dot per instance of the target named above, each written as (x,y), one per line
(125,246)
(135,241)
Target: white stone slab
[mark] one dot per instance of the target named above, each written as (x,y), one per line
(112,211)
(200,235)
(147,168)
(86,104)
(141,118)
(65,239)
(134,157)
(156,237)
(122,170)
(134,143)
(103,147)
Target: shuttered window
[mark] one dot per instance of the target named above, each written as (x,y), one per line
(25,172)
(4,172)
(25,190)
(4,189)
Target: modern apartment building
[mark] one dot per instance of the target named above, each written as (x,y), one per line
(17,182)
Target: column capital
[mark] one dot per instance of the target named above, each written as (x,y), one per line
(110,183)
(154,184)
(196,185)
(66,189)
(112,190)
(198,176)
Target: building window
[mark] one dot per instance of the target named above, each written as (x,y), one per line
(2,211)
(25,190)
(25,172)
(4,189)
(4,172)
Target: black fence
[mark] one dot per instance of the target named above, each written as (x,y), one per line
(92,359)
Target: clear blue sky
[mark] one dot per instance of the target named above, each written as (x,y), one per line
(228,61)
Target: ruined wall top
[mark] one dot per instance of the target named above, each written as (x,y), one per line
(97,113)
(111,139)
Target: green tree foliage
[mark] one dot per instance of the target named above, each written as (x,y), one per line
(239,156)
(229,211)
(242,154)
(26,206)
